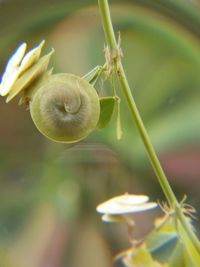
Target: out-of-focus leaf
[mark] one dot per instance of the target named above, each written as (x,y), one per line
(141,258)
(162,245)
(171,244)
(191,254)
(178,259)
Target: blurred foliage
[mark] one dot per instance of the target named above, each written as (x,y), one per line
(173,250)
(48,191)
(162,247)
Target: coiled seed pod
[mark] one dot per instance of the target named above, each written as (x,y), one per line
(65,108)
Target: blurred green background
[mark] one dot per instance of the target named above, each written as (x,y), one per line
(49,191)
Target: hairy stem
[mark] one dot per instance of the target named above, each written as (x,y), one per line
(162,179)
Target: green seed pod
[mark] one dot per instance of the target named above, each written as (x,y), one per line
(65,108)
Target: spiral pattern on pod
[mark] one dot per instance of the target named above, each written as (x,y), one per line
(65,108)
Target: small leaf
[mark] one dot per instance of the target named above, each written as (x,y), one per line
(106,111)
(29,76)
(31,57)
(93,75)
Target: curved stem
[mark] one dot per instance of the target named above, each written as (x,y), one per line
(162,179)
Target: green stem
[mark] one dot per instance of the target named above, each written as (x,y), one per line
(167,190)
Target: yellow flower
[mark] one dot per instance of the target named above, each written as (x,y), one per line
(17,64)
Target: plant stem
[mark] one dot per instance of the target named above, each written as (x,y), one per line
(162,179)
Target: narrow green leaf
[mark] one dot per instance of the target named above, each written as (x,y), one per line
(93,75)
(118,126)
(106,110)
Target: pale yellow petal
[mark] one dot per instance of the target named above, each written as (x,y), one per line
(11,72)
(17,56)
(8,81)
(31,57)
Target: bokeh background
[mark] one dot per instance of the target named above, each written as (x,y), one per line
(49,191)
